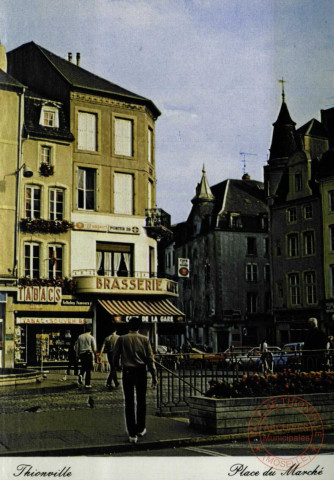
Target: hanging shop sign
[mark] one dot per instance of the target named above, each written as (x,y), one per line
(52,321)
(183,267)
(38,294)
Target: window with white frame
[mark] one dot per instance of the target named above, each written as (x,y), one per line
(310,288)
(149,145)
(331,200)
(87,131)
(31,260)
(123,193)
(55,269)
(331,238)
(86,188)
(49,116)
(294,288)
(33,202)
(56,203)
(45,154)
(114,259)
(251,302)
(251,272)
(308,211)
(123,137)
(308,238)
(293,245)
(291,214)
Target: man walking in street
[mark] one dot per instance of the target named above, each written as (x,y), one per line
(108,347)
(85,348)
(136,357)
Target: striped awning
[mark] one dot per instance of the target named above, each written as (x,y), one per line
(151,311)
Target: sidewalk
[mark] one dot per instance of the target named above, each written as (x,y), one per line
(89,431)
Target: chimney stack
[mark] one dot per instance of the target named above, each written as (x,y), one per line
(3,58)
(70,57)
(78,59)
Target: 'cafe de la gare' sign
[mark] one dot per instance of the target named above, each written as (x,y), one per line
(39,294)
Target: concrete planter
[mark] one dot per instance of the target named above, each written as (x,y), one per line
(232,415)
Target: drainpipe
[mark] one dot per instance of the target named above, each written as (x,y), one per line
(17,182)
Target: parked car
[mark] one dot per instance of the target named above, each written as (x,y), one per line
(236,356)
(291,355)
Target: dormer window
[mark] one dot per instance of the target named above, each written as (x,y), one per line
(49,117)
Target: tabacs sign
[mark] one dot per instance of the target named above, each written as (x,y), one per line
(39,294)
(183,267)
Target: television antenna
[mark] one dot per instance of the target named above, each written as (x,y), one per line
(244,160)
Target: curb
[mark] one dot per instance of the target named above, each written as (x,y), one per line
(16,391)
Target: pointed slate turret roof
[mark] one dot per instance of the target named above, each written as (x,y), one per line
(285,140)
(203,190)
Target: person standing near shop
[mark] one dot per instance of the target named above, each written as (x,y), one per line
(108,347)
(85,348)
(137,357)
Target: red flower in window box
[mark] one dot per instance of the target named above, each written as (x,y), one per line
(46,169)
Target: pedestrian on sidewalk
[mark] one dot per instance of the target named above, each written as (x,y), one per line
(136,356)
(108,347)
(72,359)
(85,348)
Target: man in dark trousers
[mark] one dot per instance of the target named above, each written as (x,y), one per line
(108,347)
(85,348)
(136,358)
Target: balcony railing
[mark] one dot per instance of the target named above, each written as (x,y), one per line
(158,223)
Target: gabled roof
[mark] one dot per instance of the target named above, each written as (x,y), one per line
(313,128)
(240,196)
(7,80)
(80,78)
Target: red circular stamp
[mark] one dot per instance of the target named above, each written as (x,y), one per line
(285,432)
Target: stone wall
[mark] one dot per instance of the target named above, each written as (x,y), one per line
(232,415)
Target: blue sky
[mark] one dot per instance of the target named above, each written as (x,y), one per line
(211,66)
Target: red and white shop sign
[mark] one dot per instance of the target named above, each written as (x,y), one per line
(39,294)
(52,321)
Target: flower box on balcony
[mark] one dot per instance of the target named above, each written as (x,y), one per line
(39,225)
(46,169)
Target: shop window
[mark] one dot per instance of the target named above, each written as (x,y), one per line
(114,260)
(31,260)
(56,203)
(308,238)
(123,193)
(310,288)
(33,202)
(86,188)
(294,289)
(123,137)
(55,261)
(87,131)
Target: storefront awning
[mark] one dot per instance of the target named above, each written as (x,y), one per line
(151,311)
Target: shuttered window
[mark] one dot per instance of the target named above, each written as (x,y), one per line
(123,193)
(87,130)
(123,137)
